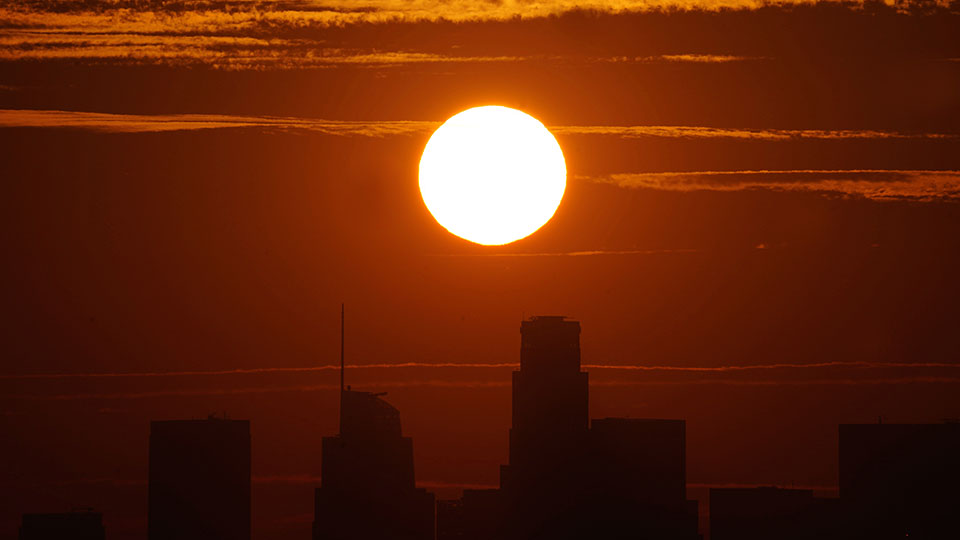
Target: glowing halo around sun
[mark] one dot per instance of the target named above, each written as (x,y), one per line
(492,175)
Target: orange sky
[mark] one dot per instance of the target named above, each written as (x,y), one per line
(759,234)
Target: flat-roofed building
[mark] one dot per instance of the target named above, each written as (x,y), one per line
(762,513)
(199,485)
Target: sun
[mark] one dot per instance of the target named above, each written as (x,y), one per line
(492,175)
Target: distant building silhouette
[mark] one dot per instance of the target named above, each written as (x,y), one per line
(367,476)
(899,480)
(543,483)
(567,477)
(622,478)
(77,525)
(763,513)
(199,480)
(638,475)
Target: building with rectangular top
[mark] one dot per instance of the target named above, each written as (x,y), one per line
(638,479)
(199,485)
(762,513)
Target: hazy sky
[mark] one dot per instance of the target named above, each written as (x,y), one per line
(761,229)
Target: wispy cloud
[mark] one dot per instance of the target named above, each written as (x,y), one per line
(244,52)
(176,393)
(475,365)
(706,58)
(225,52)
(502,365)
(874,184)
(242,34)
(741,485)
(143,123)
(589,253)
(250,371)
(764,367)
(703,132)
(134,123)
(478,384)
(210,15)
(875,381)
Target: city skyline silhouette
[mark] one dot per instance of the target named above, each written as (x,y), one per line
(568,476)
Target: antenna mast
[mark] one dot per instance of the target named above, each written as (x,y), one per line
(341,368)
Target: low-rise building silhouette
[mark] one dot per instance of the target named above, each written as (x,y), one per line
(900,480)
(637,470)
(763,513)
(199,480)
(76,525)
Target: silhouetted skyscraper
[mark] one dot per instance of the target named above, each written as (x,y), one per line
(78,525)
(543,483)
(899,480)
(621,479)
(367,477)
(550,406)
(199,480)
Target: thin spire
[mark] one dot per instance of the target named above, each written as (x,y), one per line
(341,367)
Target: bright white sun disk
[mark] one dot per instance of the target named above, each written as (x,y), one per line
(492,175)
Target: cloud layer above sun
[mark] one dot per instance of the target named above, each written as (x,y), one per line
(258,35)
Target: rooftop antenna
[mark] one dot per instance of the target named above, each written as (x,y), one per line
(342,365)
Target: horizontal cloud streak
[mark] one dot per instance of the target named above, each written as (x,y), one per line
(249,390)
(589,253)
(874,184)
(503,365)
(135,123)
(238,52)
(787,382)
(431,9)
(248,371)
(228,52)
(700,485)
(289,34)
(706,58)
(144,123)
(476,384)
(700,132)
(748,367)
